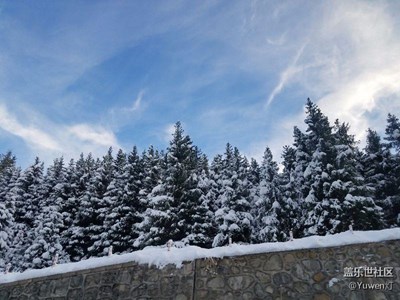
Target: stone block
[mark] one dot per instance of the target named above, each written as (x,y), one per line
(74,294)
(45,289)
(109,277)
(91,293)
(216,283)
(240,283)
(318,277)
(76,281)
(125,277)
(289,260)
(61,287)
(274,263)
(282,279)
(312,265)
(139,290)
(299,272)
(256,263)
(263,277)
(234,270)
(247,296)
(302,287)
(105,290)
(92,280)
(332,267)
(120,291)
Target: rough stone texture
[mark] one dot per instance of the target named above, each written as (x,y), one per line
(302,274)
(125,281)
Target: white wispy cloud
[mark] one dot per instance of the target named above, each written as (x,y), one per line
(279,41)
(93,134)
(287,75)
(138,101)
(49,140)
(31,134)
(133,107)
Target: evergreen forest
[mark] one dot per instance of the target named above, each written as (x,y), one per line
(79,208)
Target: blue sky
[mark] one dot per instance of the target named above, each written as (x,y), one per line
(80,76)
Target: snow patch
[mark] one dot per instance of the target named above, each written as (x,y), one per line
(332,282)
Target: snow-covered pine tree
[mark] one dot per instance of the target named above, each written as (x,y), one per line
(153,172)
(348,185)
(393,132)
(77,210)
(122,199)
(133,205)
(268,207)
(174,198)
(14,252)
(234,210)
(291,195)
(323,208)
(375,164)
(319,211)
(48,224)
(25,194)
(392,176)
(99,206)
(201,223)
(8,172)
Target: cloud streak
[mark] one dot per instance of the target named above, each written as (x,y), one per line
(50,140)
(287,74)
(32,135)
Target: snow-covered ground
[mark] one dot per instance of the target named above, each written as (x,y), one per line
(160,256)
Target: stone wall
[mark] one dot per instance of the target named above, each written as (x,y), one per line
(301,274)
(124,281)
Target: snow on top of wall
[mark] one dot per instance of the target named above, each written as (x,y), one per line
(160,256)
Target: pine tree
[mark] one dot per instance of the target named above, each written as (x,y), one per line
(374,167)
(393,132)
(234,213)
(48,224)
(172,201)
(78,210)
(123,198)
(357,204)
(153,172)
(268,208)
(25,195)
(291,195)
(201,224)
(8,171)
(11,250)
(392,176)
(99,205)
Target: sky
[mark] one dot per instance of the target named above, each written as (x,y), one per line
(81,76)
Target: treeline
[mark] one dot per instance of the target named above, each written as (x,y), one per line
(129,200)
